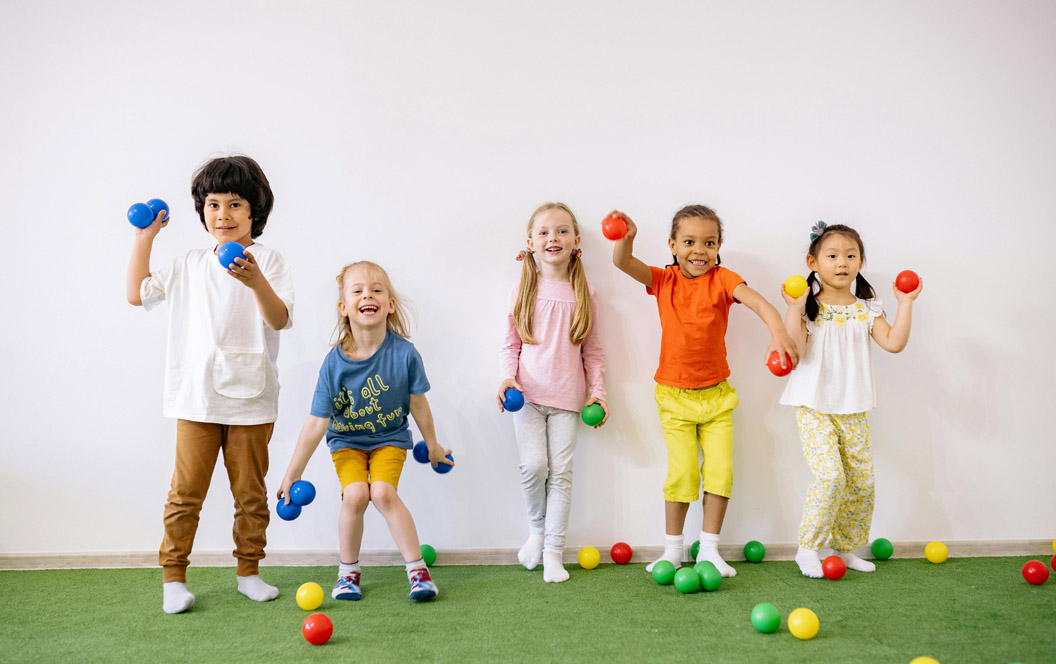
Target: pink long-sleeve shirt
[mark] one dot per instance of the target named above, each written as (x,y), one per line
(554,372)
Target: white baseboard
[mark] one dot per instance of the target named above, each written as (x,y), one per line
(731,552)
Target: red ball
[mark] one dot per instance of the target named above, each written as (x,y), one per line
(614,227)
(834,568)
(774,364)
(1054,562)
(1035,572)
(317,629)
(621,553)
(907,281)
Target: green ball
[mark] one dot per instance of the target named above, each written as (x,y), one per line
(694,549)
(882,548)
(428,554)
(754,551)
(687,581)
(664,572)
(709,575)
(766,618)
(593,415)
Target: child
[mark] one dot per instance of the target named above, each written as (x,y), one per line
(220,376)
(553,355)
(370,380)
(833,387)
(695,401)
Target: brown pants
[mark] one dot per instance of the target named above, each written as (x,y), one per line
(246,459)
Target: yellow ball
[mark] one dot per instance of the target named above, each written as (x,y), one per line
(924,660)
(309,596)
(795,285)
(588,557)
(803,623)
(936,552)
(1054,546)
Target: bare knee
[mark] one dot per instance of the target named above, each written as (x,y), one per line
(356,496)
(383,495)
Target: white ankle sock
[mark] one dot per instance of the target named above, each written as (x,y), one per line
(254,588)
(532,551)
(346,569)
(413,565)
(809,563)
(709,551)
(672,552)
(553,568)
(854,562)
(175,597)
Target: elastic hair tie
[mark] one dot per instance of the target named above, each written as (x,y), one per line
(816,231)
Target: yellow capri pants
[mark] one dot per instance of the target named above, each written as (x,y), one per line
(384,464)
(693,419)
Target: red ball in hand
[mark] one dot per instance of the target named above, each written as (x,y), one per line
(614,227)
(834,568)
(774,364)
(907,281)
(1035,572)
(621,553)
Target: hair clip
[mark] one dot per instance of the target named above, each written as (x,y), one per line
(817,230)
(578,253)
(522,253)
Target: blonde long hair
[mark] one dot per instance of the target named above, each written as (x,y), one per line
(524,307)
(398,320)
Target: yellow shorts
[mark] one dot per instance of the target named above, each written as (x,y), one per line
(384,464)
(694,419)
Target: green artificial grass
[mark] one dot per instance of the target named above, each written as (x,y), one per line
(964,610)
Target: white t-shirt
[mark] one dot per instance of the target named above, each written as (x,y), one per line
(220,357)
(835,374)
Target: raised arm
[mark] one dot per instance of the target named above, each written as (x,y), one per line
(139,263)
(312,432)
(780,340)
(794,323)
(894,337)
(623,254)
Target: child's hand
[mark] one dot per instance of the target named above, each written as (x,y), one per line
(151,231)
(906,297)
(783,344)
(632,230)
(248,272)
(438,455)
(794,302)
(284,489)
(501,397)
(604,406)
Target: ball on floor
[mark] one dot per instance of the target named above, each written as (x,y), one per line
(428,554)
(833,568)
(803,623)
(309,596)
(620,553)
(664,572)
(754,551)
(1035,572)
(588,557)
(686,580)
(766,618)
(882,548)
(317,629)
(936,552)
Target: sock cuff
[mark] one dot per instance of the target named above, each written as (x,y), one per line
(709,537)
(674,539)
(415,564)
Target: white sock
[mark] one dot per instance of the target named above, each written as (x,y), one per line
(709,551)
(175,597)
(809,563)
(254,588)
(413,565)
(346,569)
(672,552)
(856,563)
(532,551)
(553,568)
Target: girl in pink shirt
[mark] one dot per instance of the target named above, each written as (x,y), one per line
(552,354)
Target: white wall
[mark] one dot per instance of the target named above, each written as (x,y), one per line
(421,135)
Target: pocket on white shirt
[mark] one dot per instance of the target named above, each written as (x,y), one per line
(239,373)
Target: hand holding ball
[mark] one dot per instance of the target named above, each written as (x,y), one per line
(907,281)
(421,452)
(514,400)
(444,467)
(614,227)
(228,252)
(774,364)
(142,215)
(287,512)
(302,493)
(795,285)
(593,415)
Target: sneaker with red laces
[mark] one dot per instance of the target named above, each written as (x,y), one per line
(347,587)
(422,586)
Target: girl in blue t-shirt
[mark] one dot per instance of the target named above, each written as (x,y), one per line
(369,382)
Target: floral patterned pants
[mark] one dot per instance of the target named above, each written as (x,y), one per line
(839,506)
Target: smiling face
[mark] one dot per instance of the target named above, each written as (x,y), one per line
(837,261)
(553,237)
(696,245)
(366,299)
(227,218)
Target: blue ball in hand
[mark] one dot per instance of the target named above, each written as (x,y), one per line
(228,252)
(302,493)
(421,452)
(443,467)
(287,512)
(140,216)
(514,400)
(157,205)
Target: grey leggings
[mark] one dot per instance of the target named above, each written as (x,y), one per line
(546,440)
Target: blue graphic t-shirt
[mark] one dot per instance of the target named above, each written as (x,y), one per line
(368,401)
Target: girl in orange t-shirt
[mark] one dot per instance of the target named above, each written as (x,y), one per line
(695,401)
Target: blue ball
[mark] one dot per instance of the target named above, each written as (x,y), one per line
(514,400)
(421,452)
(156,205)
(140,216)
(302,493)
(228,252)
(287,512)
(443,467)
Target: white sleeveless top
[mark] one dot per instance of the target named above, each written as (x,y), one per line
(835,374)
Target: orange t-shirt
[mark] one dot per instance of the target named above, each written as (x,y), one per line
(693,316)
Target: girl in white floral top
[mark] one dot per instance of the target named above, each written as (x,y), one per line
(831,389)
